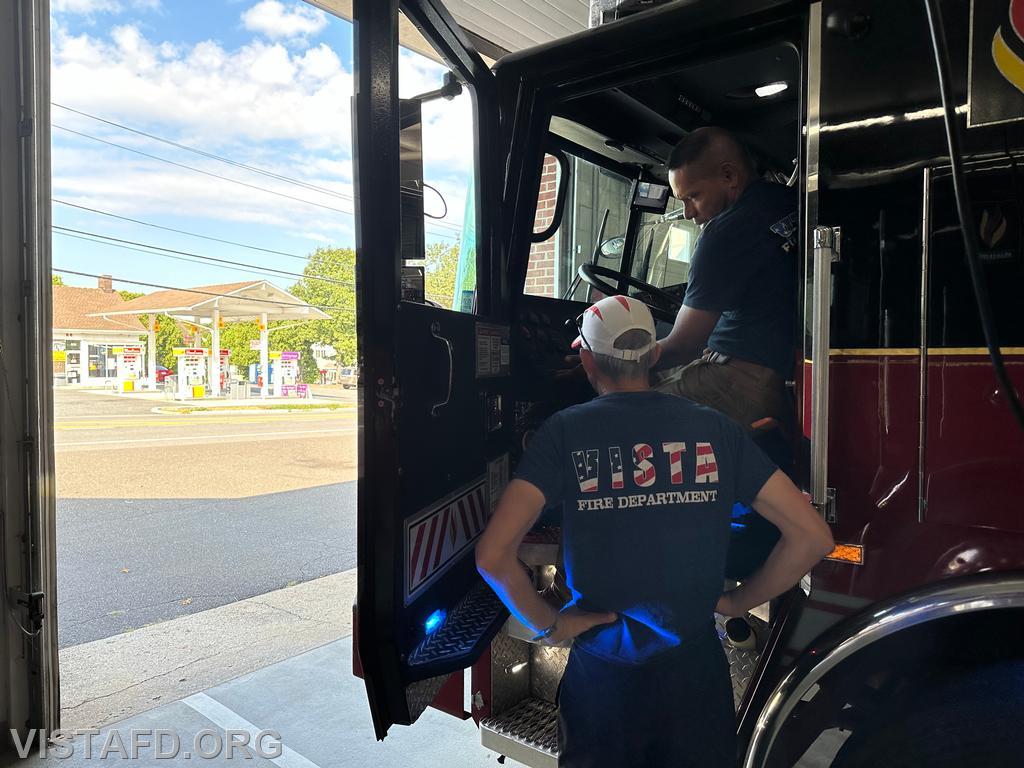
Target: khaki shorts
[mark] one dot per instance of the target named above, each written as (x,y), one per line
(744,392)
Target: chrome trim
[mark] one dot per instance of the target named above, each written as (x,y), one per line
(826,241)
(970,594)
(812,147)
(922,403)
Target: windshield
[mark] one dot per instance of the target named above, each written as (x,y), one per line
(664,247)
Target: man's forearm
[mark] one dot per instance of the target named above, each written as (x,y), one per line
(785,566)
(511,583)
(673,355)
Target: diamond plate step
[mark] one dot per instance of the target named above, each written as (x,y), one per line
(462,628)
(742,663)
(527,733)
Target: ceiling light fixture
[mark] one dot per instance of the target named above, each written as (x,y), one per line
(763,91)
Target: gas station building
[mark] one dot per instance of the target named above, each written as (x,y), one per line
(211,307)
(85,342)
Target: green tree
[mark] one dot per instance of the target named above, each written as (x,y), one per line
(329,284)
(236,337)
(442,264)
(129,295)
(56,280)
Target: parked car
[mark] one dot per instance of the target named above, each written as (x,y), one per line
(162,373)
(349,377)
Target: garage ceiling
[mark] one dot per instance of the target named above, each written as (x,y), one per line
(517,24)
(510,25)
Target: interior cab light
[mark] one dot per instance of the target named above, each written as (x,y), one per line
(770,89)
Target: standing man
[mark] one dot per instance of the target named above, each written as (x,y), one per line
(735,330)
(646,482)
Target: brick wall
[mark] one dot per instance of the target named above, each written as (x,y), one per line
(540,274)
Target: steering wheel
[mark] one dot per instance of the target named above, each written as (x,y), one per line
(663,305)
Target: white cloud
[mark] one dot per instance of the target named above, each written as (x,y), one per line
(205,94)
(262,104)
(85,7)
(273,19)
(90,7)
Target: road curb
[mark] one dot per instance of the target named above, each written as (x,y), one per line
(121,676)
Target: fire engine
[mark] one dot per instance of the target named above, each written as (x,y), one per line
(904,645)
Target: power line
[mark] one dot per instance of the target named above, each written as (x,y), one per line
(197,291)
(221,158)
(179,231)
(211,155)
(248,271)
(200,170)
(200,256)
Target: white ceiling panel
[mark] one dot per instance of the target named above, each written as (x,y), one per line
(508,24)
(517,24)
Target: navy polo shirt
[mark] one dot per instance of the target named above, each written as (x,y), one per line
(744,266)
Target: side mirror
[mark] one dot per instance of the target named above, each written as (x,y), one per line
(612,247)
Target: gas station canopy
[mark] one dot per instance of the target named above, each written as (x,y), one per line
(232,301)
(214,305)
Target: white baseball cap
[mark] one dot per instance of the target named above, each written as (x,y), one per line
(603,323)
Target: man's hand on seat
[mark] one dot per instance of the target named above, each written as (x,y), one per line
(688,337)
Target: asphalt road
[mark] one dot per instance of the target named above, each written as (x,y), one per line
(159,515)
(123,564)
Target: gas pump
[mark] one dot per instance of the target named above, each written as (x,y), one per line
(287,376)
(129,367)
(191,371)
(223,371)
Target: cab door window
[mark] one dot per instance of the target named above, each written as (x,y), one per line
(664,247)
(591,192)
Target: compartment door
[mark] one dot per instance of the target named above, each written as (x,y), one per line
(433,426)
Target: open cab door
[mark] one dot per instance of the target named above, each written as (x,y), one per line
(433,407)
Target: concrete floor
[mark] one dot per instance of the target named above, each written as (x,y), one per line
(316,706)
(317,710)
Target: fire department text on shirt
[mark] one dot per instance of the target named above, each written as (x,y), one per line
(587,464)
(647,500)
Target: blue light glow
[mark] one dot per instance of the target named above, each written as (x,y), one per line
(434,620)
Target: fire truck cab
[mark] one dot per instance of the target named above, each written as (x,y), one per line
(905,642)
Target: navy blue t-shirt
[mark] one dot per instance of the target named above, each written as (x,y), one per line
(647,482)
(744,266)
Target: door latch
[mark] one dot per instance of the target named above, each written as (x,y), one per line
(828,506)
(33,603)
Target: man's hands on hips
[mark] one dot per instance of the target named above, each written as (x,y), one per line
(573,622)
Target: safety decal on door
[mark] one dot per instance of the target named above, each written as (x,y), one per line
(436,538)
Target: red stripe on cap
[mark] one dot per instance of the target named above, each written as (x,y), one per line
(593,308)
(623,301)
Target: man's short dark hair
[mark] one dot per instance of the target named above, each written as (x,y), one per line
(694,146)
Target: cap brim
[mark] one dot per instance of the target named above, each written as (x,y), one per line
(577,343)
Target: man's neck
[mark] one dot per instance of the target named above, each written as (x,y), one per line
(612,387)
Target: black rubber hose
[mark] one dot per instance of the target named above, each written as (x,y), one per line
(964,210)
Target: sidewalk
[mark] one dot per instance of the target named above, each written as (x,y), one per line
(289,657)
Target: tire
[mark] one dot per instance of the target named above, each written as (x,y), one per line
(969,718)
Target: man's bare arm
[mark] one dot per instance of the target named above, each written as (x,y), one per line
(688,337)
(497,560)
(806,539)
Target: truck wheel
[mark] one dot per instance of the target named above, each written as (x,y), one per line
(971,717)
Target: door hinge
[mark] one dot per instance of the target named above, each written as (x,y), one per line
(828,506)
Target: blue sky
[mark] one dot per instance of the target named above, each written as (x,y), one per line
(265,83)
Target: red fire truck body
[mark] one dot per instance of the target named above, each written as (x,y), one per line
(910,448)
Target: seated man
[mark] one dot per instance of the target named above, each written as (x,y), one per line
(646,482)
(735,330)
